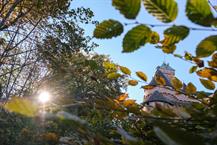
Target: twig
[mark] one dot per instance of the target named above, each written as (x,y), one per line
(212,6)
(166,25)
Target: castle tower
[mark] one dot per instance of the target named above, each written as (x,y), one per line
(167,95)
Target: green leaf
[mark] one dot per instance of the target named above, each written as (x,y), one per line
(174,136)
(155,38)
(164,10)
(135,38)
(125,70)
(199,12)
(177,84)
(193,69)
(129,8)
(22,106)
(190,89)
(174,34)
(207,46)
(141,75)
(113,75)
(108,29)
(207,84)
(169,49)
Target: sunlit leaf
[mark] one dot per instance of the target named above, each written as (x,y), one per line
(174,34)
(108,29)
(129,102)
(169,49)
(122,97)
(125,70)
(177,84)
(190,89)
(113,75)
(193,69)
(208,84)
(207,46)
(160,80)
(147,87)
(109,65)
(209,73)
(133,82)
(188,56)
(129,8)
(199,12)
(155,38)
(141,75)
(165,11)
(135,38)
(22,106)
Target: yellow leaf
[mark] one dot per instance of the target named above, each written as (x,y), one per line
(122,97)
(208,73)
(147,87)
(22,106)
(133,82)
(50,136)
(141,75)
(190,89)
(160,80)
(155,38)
(113,75)
(177,84)
(129,102)
(125,70)
(208,84)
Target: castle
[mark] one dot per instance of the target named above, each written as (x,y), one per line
(166,94)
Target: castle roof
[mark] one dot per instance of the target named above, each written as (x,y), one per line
(165,95)
(161,74)
(166,66)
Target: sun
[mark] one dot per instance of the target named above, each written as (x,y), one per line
(44,97)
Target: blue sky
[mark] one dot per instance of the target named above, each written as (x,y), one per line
(147,58)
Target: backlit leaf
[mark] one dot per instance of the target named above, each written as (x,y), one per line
(147,87)
(133,82)
(155,38)
(174,34)
(122,97)
(193,69)
(160,80)
(190,89)
(209,73)
(169,49)
(129,8)
(108,29)
(125,70)
(207,46)
(199,12)
(22,106)
(136,37)
(129,102)
(165,11)
(208,84)
(113,75)
(177,84)
(141,75)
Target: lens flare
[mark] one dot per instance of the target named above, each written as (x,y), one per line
(44,97)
